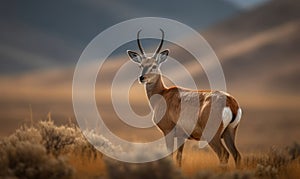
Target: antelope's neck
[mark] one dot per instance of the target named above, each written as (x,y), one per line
(155,88)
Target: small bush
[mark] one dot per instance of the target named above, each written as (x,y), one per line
(56,139)
(23,156)
(41,151)
(274,162)
(294,151)
(65,140)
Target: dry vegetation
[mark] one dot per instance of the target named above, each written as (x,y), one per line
(45,150)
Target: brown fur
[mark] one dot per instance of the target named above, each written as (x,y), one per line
(170,118)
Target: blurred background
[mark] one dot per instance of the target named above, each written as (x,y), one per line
(257,42)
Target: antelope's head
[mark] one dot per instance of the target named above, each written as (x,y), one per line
(149,65)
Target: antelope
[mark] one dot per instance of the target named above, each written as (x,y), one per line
(230,113)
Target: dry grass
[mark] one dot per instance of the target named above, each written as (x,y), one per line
(45,150)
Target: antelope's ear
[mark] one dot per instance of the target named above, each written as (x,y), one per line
(162,56)
(135,57)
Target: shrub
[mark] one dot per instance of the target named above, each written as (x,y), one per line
(23,156)
(294,151)
(273,162)
(41,151)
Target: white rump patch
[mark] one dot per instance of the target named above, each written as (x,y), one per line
(237,118)
(226,117)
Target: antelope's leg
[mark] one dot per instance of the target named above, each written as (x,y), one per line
(217,145)
(229,139)
(180,146)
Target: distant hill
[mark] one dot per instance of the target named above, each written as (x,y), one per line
(260,49)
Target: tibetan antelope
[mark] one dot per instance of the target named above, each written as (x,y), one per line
(229,114)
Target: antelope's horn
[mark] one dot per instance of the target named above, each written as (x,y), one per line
(139,43)
(160,45)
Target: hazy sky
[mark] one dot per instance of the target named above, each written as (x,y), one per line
(246,4)
(40,34)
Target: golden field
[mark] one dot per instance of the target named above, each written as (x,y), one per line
(44,150)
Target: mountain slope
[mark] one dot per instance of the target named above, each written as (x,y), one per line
(262,47)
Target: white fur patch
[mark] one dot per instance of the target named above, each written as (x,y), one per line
(226,116)
(237,118)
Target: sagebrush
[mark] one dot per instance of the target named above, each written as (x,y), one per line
(41,151)
(45,150)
